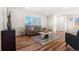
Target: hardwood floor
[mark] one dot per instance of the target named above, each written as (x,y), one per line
(25,43)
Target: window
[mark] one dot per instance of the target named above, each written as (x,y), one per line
(77,20)
(77,23)
(33,20)
(27,21)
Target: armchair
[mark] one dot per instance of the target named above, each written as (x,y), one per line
(72,40)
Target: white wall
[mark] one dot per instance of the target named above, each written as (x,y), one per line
(18,16)
(57,23)
(52,22)
(61,23)
(44,21)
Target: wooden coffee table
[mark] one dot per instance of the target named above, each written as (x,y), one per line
(46,34)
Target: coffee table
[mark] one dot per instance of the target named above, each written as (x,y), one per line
(45,34)
(44,37)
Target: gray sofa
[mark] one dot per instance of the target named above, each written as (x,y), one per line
(32,30)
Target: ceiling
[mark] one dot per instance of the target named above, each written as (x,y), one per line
(51,10)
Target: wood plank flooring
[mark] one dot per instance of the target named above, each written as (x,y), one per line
(25,43)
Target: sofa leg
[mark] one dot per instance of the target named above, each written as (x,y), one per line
(66,45)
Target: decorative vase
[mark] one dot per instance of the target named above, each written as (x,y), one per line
(9,23)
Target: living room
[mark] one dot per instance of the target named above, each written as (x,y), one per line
(39,28)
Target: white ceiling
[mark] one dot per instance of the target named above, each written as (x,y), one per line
(51,10)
